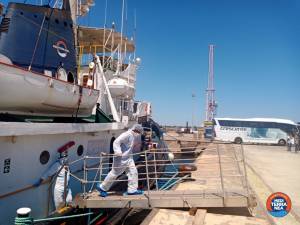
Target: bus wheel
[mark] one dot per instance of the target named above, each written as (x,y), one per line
(282,142)
(238,140)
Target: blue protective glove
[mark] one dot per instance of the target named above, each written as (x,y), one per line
(38,183)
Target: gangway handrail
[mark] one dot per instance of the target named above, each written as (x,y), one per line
(162,178)
(163,164)
(108,155)
(185,159)
(150,175)
(222,191)
(152,152)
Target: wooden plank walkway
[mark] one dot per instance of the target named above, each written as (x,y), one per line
(165,199)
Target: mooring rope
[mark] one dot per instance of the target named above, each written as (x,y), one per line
(23,221)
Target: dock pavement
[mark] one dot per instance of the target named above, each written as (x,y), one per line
(207,176)
(274,169)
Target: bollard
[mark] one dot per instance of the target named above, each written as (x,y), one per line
(23,217)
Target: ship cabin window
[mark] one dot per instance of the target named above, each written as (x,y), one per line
(71,78)
(125,105)
(80,150)
(135,107)
(44,157)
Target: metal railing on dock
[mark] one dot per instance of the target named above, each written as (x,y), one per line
(220,180)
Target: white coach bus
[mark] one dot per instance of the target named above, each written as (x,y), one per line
(254,130)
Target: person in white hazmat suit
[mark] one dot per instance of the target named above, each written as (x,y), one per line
(123,161)
(61,170)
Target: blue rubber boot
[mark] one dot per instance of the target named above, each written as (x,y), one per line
(137,192)
(102,193)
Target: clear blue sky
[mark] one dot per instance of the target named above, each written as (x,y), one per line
(257,67)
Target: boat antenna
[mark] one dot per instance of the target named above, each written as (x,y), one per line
(126,12)
(105,15)
(120,58)
(104,37)
(126,24)
(134,32)
(123,3)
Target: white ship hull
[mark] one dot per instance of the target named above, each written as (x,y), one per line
(21,146)
(26,93)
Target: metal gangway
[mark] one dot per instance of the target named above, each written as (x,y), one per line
(219,181)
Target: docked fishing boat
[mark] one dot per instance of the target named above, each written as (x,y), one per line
(62,93)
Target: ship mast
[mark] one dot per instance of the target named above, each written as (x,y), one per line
(211,105)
